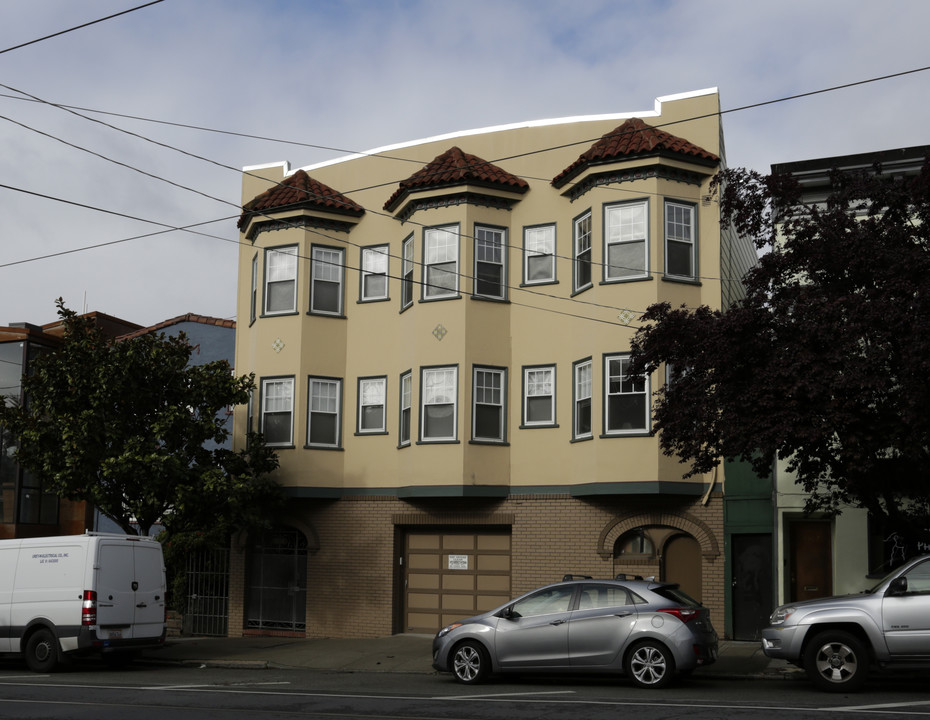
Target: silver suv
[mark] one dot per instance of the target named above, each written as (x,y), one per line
(838,639)
(648,630)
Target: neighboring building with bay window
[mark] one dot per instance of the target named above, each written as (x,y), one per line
(440,336)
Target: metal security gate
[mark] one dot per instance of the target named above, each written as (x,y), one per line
(207,593)
(277,581)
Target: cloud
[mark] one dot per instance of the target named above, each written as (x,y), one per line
(360,74)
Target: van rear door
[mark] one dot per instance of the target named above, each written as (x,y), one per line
(130,590)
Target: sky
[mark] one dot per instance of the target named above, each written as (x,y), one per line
(116,134)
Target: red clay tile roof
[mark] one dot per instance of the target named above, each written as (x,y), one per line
(190,317)
(454,167)
(633,138)
(299,191)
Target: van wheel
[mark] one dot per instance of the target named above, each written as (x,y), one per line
(42,651)
(836,661)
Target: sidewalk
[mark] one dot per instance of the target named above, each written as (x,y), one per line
(401,654)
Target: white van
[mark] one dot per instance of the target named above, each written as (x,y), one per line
(80,594)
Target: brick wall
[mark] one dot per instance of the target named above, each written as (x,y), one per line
(352,562)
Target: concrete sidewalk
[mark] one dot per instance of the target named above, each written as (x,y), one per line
(400,653)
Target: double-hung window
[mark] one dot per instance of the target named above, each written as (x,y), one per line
(406,288)
(539,396)
(281,280)
(581,412)
(680,245)
(278,411)
(324,408)
(490,256)
(625,244)
(406,397)
(326,273)
(440,262)
(374,275)
(539,254)
(438,410)
(371,395)
(582,241)
(489,390)
(626,398)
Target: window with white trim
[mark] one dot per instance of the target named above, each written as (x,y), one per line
(581,412)
(490,258)
(438,404)
(324,410)
(371,396)
(489,388)
(281,280)
(626,398)
(406,291)
(625,240)
(539,254)
(680,247)
(440,262)
(277,416)
(582,242)
(326,274)
(539,396)
(406,398)
(374,275)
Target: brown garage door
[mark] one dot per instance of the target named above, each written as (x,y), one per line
(451,575)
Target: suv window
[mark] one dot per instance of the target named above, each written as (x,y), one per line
(918,578)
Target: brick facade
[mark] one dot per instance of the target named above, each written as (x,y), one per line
(355,542)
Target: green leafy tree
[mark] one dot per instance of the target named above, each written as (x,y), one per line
(131,427)
(826,362)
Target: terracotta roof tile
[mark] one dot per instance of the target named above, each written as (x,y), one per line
(299,190)
(633,138)
(455,167)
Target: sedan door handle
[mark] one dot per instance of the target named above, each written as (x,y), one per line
(558,622)
(623,614)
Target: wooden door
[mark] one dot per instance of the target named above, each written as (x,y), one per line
(811,559)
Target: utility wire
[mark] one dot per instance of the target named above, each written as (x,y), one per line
(79,27)
(550,148)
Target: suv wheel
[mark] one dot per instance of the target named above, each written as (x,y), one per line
(836,661)
(470,662)
(650,665)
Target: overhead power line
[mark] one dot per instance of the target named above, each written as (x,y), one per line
(79,27)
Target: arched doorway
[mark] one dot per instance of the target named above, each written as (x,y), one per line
(276,597)
(666,553)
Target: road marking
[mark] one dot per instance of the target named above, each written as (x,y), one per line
(883,706)
(208,685)
(502,695)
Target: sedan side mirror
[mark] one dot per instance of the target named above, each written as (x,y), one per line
(898,586)
(508,613)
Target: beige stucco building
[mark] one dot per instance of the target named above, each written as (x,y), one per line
(439,331)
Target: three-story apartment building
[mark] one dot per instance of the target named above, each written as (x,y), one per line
(440,333)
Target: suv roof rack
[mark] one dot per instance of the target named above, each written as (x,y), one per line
(569,576)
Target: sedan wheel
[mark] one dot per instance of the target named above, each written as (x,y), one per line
(650,665)
(470,663)
(836,662)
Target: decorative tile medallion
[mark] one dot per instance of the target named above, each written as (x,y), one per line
(439,332)
(277,345)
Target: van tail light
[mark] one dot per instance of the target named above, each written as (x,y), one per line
(89,608)
(683,613)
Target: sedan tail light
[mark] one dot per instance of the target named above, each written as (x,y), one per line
(683,613)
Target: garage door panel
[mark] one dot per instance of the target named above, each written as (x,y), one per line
(469,572)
